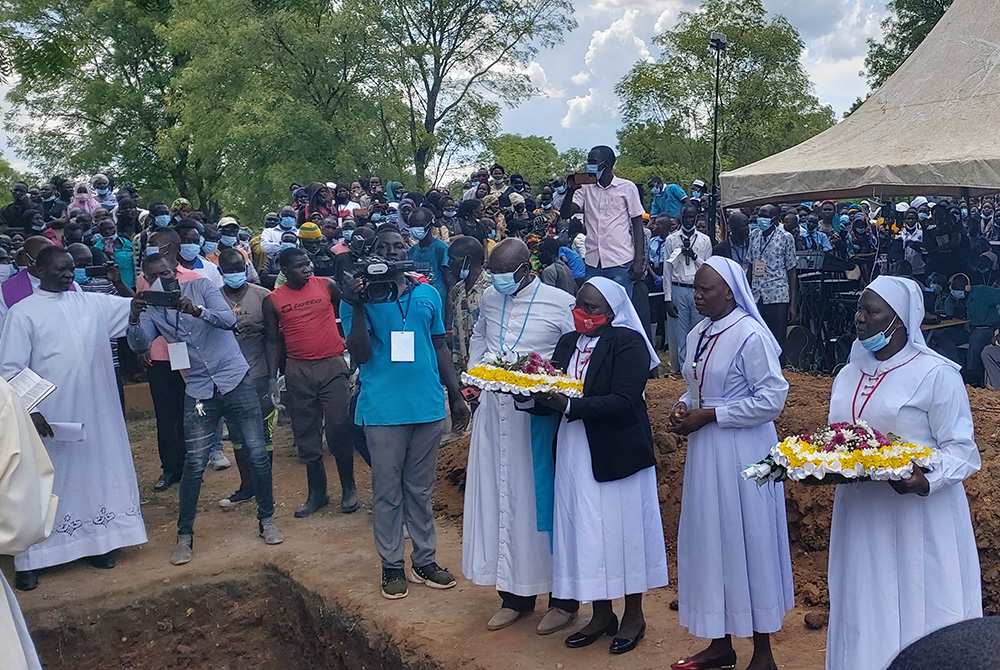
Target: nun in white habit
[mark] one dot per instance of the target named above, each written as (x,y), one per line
(608,535)
(903,559)
(734,572)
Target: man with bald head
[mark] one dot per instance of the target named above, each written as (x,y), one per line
(27,281)
(166,386)
(62,335)
(505,539)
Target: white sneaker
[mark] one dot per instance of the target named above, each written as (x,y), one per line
(218,460)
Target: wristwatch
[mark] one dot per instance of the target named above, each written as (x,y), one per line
(201,310)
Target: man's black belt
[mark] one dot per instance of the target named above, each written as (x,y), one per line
(677,283)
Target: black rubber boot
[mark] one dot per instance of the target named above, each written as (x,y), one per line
(317,498)
(349,492)
(246,470)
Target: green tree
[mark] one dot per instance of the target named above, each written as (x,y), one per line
(460,59)
(101,96)
(767,98)
(903,30)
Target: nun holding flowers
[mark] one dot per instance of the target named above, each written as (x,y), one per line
(734,572)
(903,558)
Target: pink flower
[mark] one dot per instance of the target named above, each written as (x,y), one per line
(530,368)
(838,439)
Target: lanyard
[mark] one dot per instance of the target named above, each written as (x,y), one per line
(503,348)
(770,238)
(409,301)
(583,359)
(707,343)
(856,413)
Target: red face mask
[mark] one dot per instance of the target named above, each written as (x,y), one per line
(586,323)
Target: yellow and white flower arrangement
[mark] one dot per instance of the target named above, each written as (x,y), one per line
(842,453)
(528,374)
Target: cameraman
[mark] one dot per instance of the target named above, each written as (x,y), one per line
(403,356)
(199,332)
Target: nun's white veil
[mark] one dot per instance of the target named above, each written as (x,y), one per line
(734,276)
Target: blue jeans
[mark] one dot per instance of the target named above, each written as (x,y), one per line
(617,274)
(241,408)
(687,317)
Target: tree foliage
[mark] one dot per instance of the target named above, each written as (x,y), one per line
(767,98)
(231,100)
(903,30)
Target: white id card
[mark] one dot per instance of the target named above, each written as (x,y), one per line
(759,268)
(178,353)
(695,396)
(401,346)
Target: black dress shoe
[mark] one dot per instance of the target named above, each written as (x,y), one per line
(165,481)
(102,562)
(26,580)
(579,640)
(621,645)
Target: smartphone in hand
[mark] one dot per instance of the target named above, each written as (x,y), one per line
(581,178)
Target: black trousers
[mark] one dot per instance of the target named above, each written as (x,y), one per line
(776,318)
(166,386)
(527,603)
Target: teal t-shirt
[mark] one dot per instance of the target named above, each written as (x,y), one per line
(431,262)
(394,393)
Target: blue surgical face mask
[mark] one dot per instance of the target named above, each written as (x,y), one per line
(51,198)
(656,190)
(392,218)
(958,295)
(288,245)
(594,169)
(504,282)
(418,232)
(80,275)
(763,223)
(235,280)
(449,214)
(547,206)
(162,220)
(38,227)
(229,240)
(463,273)
(376,217)
(348,234)
(210,247)
(287,222)
(150,250)
(560,189)
(879,340)
(965,213)
(923,216)
(190,251)
(103,191)
(492,235)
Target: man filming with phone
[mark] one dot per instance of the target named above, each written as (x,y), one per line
(612,214)
(197,324)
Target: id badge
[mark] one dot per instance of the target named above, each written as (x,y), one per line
(178,353)
(695,393)
(759,268)
(401,346)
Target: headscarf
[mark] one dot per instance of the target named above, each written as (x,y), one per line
(906,299)
(89,203)
(516,199)
(490,201)
(390,190)
(625,314)
(734,276)
(178,203)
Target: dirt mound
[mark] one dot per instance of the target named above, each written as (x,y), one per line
(808,508)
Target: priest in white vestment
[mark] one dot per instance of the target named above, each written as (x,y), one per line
(27,512)
(63,336)
(502,545)
(903,557)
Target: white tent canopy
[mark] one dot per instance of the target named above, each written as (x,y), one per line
(933,127)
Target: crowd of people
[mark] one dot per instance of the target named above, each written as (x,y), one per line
(356,307)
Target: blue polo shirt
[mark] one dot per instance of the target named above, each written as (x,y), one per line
(394,393)
(431,262)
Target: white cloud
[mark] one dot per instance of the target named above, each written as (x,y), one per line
(536,73)
(611,53)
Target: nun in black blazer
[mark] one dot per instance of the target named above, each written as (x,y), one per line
(607,532)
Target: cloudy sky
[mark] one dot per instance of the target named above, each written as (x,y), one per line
(579,107)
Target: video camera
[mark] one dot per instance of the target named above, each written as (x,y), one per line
(374,272)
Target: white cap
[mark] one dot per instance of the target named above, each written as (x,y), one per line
(918,201)
(698,182)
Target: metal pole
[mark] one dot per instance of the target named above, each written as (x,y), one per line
(713,197)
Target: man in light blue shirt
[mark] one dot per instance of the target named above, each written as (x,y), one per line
(404,360)
(199,333)
(667,199)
